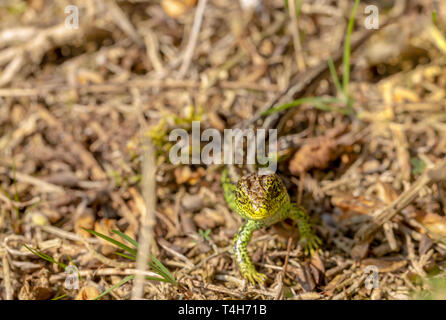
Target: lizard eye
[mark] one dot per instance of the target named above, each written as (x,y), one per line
(240,198)
(274,188)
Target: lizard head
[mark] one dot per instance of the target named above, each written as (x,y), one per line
(260,196)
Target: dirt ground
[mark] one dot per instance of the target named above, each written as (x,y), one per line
(86,111)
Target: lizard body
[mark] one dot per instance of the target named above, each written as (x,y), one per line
(263,200)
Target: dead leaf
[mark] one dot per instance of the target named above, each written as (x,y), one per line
(360,250)
(384,265)
(358,205)
(425,244)
(433,222)
(386,193)
(318,153)
(86,221)
(317,268)
(105,226)
(36,286)
(305,277)
(353,206)
(87,293)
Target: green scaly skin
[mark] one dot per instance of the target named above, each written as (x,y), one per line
(262,201)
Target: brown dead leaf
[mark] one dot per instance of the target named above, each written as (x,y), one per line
(86,221)
(353,206)
(386,193)
(305,277)
(105,226)
(317,268)
(384,265)
(138,202)
(360,250)
(425,244)
(87,293)
(358,205)
(318,153)
(434,223)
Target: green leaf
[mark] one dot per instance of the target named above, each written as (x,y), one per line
(346,55)
(60,297)
(157,279)
(45,256)
(157,265)
(334,76)
(418,165)
(126,237)
(204,233)
(298,7)
(120,283)
(111,240)
(434,18)
(154,263)
(298,102)
(125,256)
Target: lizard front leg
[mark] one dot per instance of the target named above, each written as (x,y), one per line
(228,190)
(309,241)
(244,262)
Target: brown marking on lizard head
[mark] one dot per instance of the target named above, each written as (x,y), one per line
(259,196)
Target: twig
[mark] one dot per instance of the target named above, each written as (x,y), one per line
(279,290)
(15,204)
(67,235)
(301,66)
(41,185)
(381,216)
(33,51)
(123,22)
(7,276)
(187,58)
(113,88)
(12,251)
(175,253)
(212,287)
(148,217)
(288,249)
(103,272)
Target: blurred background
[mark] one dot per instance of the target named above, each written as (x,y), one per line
(84,83)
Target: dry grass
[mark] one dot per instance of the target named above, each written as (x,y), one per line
(73,104)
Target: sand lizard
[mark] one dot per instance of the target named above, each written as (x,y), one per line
(263,200)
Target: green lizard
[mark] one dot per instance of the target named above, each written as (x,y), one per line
(263,200)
